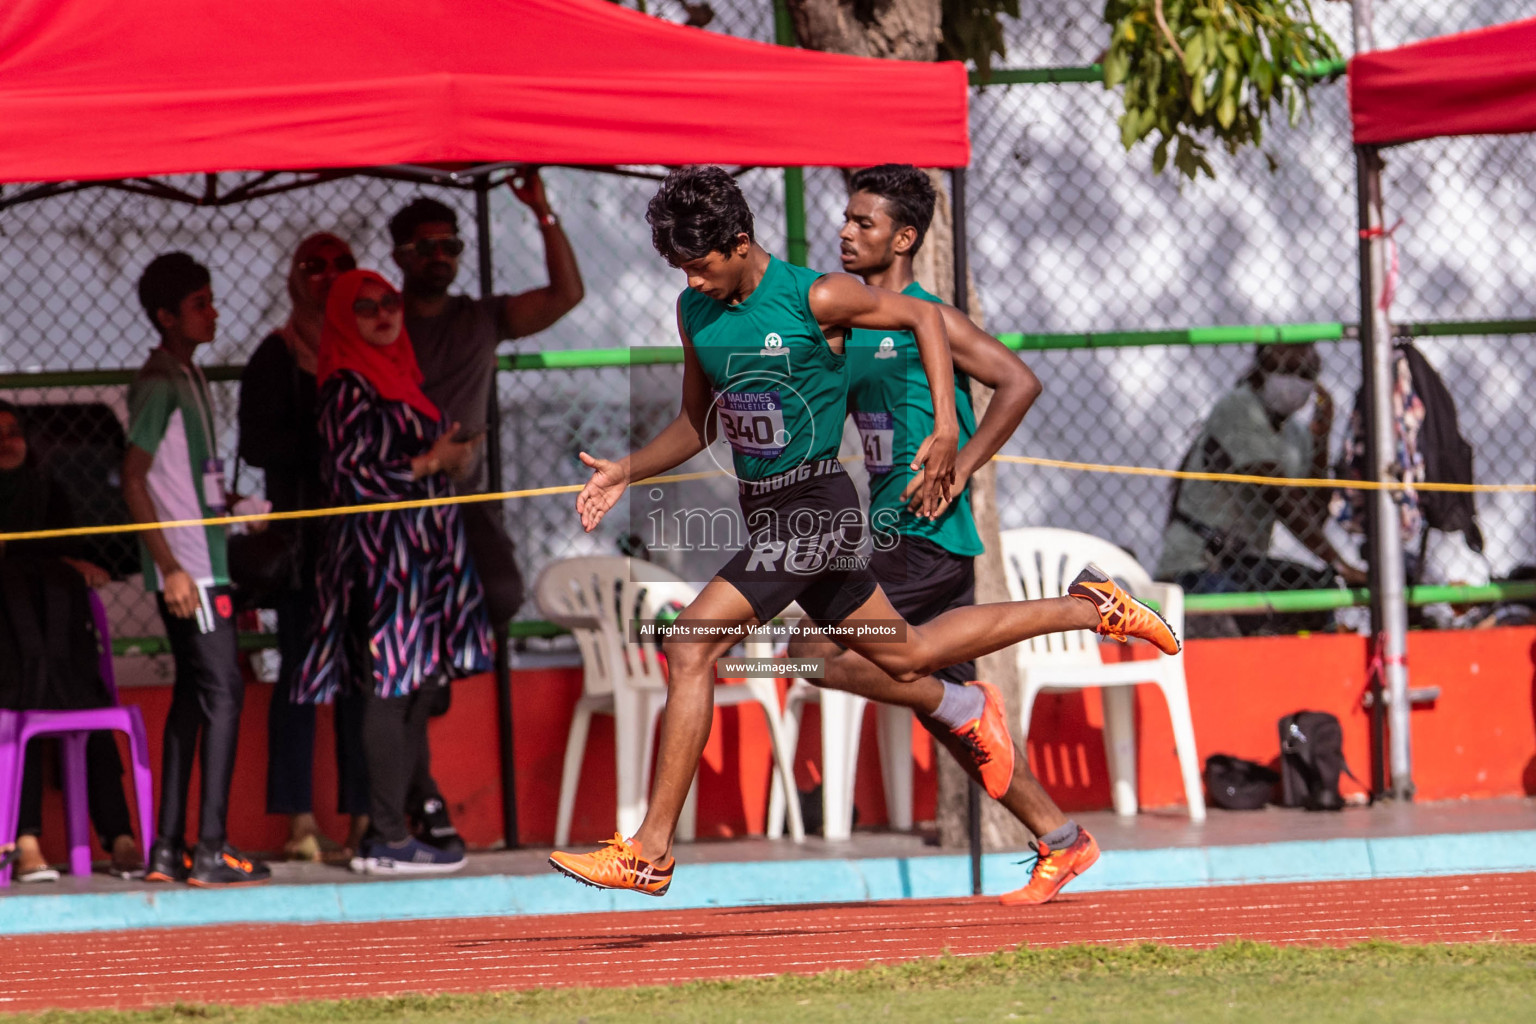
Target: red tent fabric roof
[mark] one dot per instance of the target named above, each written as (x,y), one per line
(107,89)
(1474,83)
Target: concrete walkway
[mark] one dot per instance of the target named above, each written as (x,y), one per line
(1153,850)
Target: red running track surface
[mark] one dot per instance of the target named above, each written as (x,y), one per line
(280,963)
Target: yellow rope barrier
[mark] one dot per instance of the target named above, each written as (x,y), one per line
(539,492)
(338,510)
(1278,481)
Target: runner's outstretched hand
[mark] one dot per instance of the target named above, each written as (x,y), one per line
(609,479)
(936,458)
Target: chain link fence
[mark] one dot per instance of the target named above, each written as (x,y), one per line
(1069,233)
(1072,234)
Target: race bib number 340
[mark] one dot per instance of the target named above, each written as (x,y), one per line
(878,431)
(753,422)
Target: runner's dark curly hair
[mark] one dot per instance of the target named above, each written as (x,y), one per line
(907,192)
(697,211)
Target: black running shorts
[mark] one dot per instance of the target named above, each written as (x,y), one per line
(804,528)
(923,581)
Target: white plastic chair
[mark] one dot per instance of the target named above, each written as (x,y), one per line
(596,598)
(1042,562)
(842,724)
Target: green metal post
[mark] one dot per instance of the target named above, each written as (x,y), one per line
(797,250)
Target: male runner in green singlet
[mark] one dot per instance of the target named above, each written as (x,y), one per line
(763,346)
(928,565)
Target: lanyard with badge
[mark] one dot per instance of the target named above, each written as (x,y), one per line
(212,466)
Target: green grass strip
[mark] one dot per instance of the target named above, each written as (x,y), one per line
(1241,982)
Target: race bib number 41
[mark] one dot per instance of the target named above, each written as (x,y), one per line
(878,431)
(753,422)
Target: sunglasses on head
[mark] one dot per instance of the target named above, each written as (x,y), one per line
(317,264)
(371,307)
(426,248)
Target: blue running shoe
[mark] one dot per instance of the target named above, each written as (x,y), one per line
(410,857)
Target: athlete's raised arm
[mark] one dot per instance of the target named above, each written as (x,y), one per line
(1014,386)
(841,300)
(678,442)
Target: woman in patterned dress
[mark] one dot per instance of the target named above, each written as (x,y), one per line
(400,606)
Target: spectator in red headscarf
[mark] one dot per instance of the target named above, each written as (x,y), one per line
(401,609)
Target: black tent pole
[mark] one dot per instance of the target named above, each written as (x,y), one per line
(963,304)
(503,671)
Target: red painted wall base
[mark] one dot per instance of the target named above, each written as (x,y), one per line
(1477,740)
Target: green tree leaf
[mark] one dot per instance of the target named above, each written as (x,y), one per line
(1226,110)
(1244,62)
(1194,56)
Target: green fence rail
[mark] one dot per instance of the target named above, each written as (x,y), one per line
(146,645)
(1278,602)
(1038,76)
(658,355)
(1330,600)
(1095,73)
(1259,334)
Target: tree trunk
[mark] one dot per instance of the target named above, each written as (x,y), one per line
(935,269)
(898,29)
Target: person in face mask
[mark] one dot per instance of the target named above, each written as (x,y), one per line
(1219,535)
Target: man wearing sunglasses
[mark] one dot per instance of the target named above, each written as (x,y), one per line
(455,339)
(455,336)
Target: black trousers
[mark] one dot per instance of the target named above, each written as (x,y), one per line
(495,560)
(395,744)
(291,727)
(103,788)
(423,786)
(205,706)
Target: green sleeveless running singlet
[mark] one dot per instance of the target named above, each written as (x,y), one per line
(780,391)
(892,406)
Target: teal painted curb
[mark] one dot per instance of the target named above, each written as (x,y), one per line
(767,883)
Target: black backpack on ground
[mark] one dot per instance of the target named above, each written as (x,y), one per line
(1311,759)
(1238,785)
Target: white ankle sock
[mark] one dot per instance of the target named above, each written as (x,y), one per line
(960,704)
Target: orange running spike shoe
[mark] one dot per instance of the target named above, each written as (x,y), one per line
(617,864)
(1054,869)
(1120,615)
(990,745)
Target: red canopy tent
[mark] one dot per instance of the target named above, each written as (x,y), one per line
(102,91)
(94,89)
(1474,83)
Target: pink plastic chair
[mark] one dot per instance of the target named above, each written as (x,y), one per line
(17,728)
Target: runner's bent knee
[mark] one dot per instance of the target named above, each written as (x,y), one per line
(690,660)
